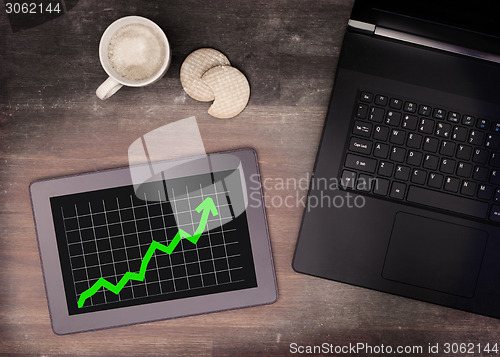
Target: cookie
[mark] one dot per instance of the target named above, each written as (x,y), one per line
(230,88)
(193,68)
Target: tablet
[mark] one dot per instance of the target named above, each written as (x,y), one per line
(155,241)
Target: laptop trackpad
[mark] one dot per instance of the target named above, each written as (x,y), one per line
(434,254)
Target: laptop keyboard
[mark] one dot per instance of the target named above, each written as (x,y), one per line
(408,151)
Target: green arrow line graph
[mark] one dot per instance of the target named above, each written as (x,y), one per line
(207,206)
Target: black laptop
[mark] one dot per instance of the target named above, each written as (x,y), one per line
(405,194)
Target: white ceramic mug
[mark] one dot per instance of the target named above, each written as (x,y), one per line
(130,48)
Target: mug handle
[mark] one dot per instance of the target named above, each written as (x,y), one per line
(108,88)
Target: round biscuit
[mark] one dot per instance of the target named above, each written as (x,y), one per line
(194,66)
(231,91)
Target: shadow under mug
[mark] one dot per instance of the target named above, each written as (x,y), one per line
(115,81)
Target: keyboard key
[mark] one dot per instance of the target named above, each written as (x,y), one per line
(410,107)
(447,202)
(431,144)
(468,188)
(362,111)
(397,137)
(431,162)
(377,114)
(402,173)
(484,192)
(459,133)
(414,158)
(476,137)
(495,160)
(360,163)
(366,97)
(495,177)
(480,156)
(362,128)
(454,117)
(364,183)
(443,130)
(426,126)
(381,133)
(381,187)
(393,118)
(381,150)
(464,169)
(418,176)
(398,190)
(492,141)
(435,180)
(452,184)
(464,152)
(410,122)
(447,166)
(439,113)
(385,168)
(398,154)
(360,146)
(468,120)
(395,103)
(447,148)
(414,140)
(381,100)
(495,213)
(348,179)
(496,198)
(424,110)
(495,127)
(481,173)
(483,124)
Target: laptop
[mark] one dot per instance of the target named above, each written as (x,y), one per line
(405,193)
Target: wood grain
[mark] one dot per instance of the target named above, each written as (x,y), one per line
(52,124)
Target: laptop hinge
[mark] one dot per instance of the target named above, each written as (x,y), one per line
(363,27)
(427,42)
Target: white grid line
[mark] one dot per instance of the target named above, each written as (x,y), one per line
(156,229)
(123,236)
(110,248)
(135,246)
(200,287)
(69,255)
(194,231)
(210,240)
(166,237)
(178,265)
(223,237)
(83,250)
(152,239)
(139,206)
(96,248)
(182,240)
(140,252)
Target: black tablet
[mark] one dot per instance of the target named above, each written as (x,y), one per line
(154,241)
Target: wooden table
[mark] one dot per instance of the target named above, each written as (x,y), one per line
(52,124)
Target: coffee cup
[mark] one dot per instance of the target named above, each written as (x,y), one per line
(134,52)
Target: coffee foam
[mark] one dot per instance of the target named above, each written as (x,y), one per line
(136,52)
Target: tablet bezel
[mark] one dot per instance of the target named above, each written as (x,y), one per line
(62,323)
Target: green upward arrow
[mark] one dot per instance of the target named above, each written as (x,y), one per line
(206,207)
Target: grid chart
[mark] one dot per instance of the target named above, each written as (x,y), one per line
(106,233)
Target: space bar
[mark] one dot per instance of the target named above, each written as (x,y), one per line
(447,202)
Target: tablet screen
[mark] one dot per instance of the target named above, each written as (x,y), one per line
(168,239)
